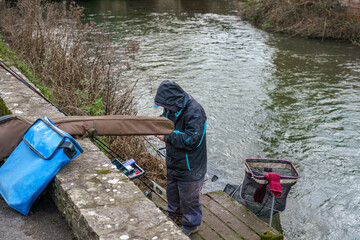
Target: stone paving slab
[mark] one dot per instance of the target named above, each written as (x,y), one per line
(97,200)
(44,222)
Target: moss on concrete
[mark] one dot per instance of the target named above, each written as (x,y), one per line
(270,236)
(3,109)
(104,171)
(218,192)
(95,180)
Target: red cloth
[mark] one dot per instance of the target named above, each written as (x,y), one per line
(275,187)
(274,182)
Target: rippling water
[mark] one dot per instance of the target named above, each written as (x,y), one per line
(265,95)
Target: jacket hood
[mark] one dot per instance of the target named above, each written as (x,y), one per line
(171,94)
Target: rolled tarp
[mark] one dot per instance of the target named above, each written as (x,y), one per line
(12,128)
(11,131)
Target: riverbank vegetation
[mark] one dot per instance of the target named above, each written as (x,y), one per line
(76,66)
(324,19)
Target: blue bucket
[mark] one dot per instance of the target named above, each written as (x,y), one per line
(43,151)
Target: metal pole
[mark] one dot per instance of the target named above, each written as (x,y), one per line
(233,193)
(272,208)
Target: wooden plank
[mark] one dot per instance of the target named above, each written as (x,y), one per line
(230,220)
(218,226)
(242,213)
(206,232)
(195,237)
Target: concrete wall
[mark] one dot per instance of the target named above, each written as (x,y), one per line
(97,200)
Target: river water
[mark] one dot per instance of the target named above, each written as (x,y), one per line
(265,95)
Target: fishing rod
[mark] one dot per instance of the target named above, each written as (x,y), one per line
(101,144)
(108,150)
(152,190)
(147,185)
(157,150)
(17,76)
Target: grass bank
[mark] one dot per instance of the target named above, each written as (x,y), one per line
(76,66)
(323,19)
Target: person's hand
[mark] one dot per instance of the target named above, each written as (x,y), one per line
(161,137)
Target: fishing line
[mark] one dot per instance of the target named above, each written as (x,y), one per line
(152,190)
(103,146)
(97,141)
(17,76)
(157,150)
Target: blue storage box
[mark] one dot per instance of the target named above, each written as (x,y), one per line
(43,151)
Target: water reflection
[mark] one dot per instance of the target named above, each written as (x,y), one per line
(265,96)
(181,7)
(312,121)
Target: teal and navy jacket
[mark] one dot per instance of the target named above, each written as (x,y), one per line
(186,153)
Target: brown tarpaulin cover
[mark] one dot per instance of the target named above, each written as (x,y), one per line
(11,131)
(12,128)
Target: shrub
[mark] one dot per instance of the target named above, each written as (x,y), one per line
(67,56)
(74,64)
(310,18)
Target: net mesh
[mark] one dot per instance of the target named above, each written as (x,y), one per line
(255,171)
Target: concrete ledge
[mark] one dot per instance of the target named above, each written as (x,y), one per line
(97,200)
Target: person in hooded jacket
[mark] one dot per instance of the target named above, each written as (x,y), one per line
(186,154)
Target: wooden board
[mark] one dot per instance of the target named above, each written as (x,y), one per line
(225,218)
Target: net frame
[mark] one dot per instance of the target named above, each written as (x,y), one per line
(268,163)
(255,170)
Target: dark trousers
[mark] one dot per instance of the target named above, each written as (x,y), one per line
(184,200)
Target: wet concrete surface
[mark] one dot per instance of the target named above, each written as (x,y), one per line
(44,222)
